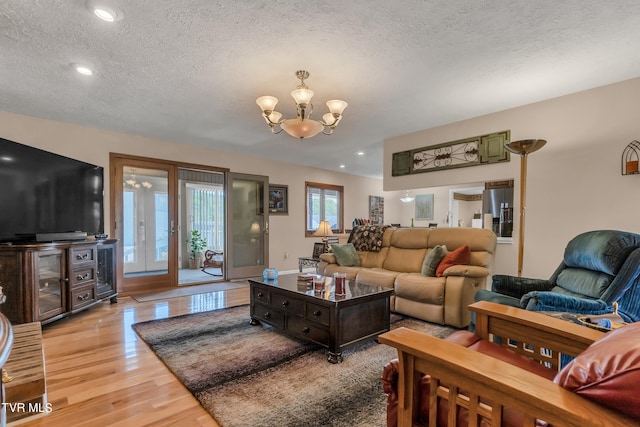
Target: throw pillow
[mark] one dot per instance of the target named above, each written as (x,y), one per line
(367,237)
(346,255)
(608,371)
(432,260)
(462,255)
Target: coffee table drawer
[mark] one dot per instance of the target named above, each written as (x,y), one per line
(268,315)
(260,294)
(318,313)
(307,330)
(287,303)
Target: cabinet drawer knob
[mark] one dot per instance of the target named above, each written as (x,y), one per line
(317,313)
(285,303)
(83,276)
(81,257)
(84,297)
(267,315)
(306,329)
(260,295)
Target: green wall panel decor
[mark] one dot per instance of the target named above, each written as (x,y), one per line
(473,151)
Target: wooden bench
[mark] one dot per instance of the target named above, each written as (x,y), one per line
(25,368)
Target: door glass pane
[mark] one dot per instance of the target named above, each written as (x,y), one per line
(248,223)
(202,210)
(145,221)
(162,227)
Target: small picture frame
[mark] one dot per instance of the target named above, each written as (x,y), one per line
(278,199)
(318,249)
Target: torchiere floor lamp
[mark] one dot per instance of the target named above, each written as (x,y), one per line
(523,148)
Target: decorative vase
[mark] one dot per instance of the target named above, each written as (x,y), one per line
(270,273)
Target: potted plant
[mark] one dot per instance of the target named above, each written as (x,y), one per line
(197,245)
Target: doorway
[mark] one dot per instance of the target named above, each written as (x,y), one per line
(248,222)
(156,204)
(202,214)
(143,211)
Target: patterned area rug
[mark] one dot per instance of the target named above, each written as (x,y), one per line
(251,375)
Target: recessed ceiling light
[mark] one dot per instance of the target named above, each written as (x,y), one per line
(360,153)
(105,14)
(342,166)
(83,69)
(103,11)
(6,158)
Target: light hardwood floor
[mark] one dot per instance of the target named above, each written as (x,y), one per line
(99,373)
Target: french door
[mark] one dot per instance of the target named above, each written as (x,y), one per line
(248,225)
(144,213)
(145,220)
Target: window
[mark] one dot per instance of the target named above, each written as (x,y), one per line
(324,201)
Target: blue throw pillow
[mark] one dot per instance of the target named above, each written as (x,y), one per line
(346,255)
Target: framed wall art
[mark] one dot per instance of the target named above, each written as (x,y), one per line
(376,210)
(424,207)
(278,199)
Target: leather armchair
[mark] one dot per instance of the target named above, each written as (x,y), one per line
(599,268)
(467,379)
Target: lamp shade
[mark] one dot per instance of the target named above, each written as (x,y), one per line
(267,103)
(275,117)
(525,146)
(302,95)
(407,198)
(324,229)
(336,106)
(299,128)
(329,119)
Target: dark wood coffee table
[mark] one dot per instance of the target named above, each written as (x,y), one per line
(334,322)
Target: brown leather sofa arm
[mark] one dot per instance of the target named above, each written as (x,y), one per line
(486,378)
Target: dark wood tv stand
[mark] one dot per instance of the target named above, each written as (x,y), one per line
(44,282)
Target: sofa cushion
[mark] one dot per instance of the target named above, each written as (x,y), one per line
(416,287)
(608,371)
(368,237)
(582,282)
(432,260)
(604,250)
(462,255)
(346,255)
(376,277)
(373,259)
(404,260)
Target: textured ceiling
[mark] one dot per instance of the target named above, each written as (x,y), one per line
(190,70)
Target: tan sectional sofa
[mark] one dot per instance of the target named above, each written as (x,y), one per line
(398,265)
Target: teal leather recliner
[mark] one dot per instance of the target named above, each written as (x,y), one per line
(599,268)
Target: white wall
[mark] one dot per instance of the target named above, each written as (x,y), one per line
(286,232)
(574,183)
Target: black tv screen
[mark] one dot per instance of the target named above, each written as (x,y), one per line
(43,192)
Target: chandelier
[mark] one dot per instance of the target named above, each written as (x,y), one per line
(407,198)
(302,126)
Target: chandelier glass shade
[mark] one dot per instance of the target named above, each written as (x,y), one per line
(407,198)
(302,126)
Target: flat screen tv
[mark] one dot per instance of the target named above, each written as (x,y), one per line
(48,197)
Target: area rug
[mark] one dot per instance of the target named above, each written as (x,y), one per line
(247,375)
(189,290)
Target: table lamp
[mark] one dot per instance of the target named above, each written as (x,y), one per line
(324,230)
